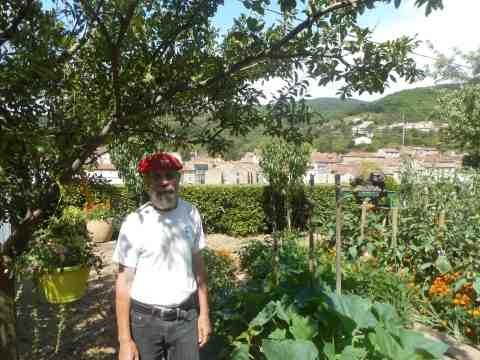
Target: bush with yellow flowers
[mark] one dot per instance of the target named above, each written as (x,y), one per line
(456,298)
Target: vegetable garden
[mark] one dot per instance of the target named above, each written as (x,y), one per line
(282,307)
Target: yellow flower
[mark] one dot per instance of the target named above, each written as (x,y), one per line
(475,312)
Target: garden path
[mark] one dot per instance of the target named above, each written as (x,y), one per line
(90,330)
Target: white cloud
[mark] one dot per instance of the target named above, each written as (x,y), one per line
(454,26)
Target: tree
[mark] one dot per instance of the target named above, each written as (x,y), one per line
(460,107)
(284,165)
(87,73)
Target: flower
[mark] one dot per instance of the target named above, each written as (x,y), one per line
(475,312)
(461,299)
(440,286)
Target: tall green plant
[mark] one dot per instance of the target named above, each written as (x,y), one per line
(284,164)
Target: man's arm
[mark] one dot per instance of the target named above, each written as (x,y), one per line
(128,349)
(204,327)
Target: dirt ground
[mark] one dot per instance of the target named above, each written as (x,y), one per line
(90,332)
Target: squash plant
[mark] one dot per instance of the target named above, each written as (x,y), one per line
(326,326)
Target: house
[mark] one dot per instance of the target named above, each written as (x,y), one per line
(318,171)
(356,157)
(389,153)
(362,140)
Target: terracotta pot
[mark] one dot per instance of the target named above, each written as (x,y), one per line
(100,230)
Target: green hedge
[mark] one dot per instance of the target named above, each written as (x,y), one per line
(232,209)
(236,210)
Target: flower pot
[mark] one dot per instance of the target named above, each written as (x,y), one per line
(100,230)
(64,285)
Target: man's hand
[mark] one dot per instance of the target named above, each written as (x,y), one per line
(204,329)
(128,350)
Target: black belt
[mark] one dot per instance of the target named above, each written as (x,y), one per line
(165,312)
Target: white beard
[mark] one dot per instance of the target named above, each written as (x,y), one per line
(164,200)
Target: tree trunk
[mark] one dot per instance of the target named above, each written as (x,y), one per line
(8,350)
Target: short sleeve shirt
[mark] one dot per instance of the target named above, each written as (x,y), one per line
(159,246)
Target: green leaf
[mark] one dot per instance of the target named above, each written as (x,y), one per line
(278,334)
(289,349)
(417,342)
(476,285)
(329,350)
(385,344)
(443,265)
(264,316)
(240,352)
(302,328)
(352,250)
(459,284)
(351,353)
(355,308)
(385,313)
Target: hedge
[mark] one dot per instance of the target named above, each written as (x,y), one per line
(235,210)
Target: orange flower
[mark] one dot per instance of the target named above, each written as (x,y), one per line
(224,253)
(439,287)
(461,299)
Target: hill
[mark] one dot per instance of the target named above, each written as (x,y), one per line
(337,108)
(416,105)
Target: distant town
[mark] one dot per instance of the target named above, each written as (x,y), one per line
(323,167)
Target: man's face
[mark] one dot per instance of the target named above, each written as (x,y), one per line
(162,187)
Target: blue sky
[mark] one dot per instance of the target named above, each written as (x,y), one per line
(455,26)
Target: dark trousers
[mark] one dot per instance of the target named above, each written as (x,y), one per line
(159,339)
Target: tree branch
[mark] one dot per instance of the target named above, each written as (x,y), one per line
(9,33)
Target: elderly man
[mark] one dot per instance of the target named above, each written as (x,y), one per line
(161,288)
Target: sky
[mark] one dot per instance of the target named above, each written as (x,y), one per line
(454,26)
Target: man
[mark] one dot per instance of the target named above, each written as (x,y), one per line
(161,281)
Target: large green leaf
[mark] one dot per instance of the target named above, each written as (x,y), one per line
(386,345)
(240,352)
(264,316)
(289,349)
(302,328)
(354,308)
(418,343)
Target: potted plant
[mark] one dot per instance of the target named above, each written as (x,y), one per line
(99,221)
(60,257)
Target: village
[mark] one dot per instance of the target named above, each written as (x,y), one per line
(205,170)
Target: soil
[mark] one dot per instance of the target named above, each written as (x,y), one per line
(90,332)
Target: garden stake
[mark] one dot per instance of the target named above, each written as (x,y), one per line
(395,232)
(363,219)
(338,242)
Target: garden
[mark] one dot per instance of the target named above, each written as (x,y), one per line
(281,286)
(80,78)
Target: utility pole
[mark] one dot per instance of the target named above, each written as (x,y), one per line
(403,129)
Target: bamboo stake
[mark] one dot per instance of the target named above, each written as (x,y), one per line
(338,242)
